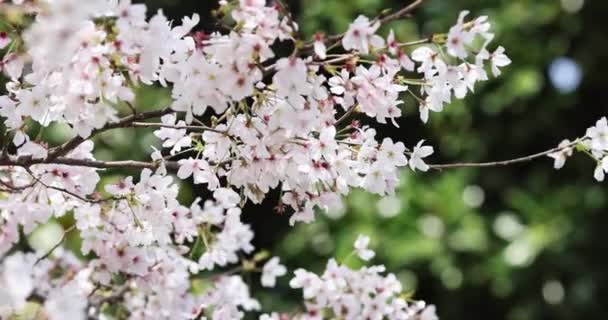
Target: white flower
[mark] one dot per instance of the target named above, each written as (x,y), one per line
(420,152)
(405,61)
(428,105)
(10,112)
(391,43)
(392,154)
(122,188)
(176,139)
(200,170)
(601,169)
(291,81)
(459,38)
(272,269)
(341,85)
(226,197)
(33,149)
(361,35)
(429,313)
(361,248)
(499,59)
(319,46)
(87,216)
(16,282)
(599,135)
(67,302)
(4,39)
(561,155)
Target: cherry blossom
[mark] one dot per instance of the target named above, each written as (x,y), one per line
(5,39)
(272,269)
(244,121)
(361,248)
(319,46)
(361,35)
(353,294)
(561,155)
(420,152)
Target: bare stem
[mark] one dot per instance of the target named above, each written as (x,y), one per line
(346,114)
(504,162)
(122,123)
(405,11)
(57,245)
(128,164)
(201,128)
(401,13)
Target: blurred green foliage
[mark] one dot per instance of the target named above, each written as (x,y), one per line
(522,242)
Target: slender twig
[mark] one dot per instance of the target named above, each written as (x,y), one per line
(14,188)
(346,114)
(171,126)
(504,162)
(61,240)
(128,164)
(383,20)
(68,192)
(172,165)
(122,123)
(401,13)
(132,107)
(415,42)
(341,58)
(113,297)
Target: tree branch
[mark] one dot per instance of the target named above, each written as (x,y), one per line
(128,164)
(125,122)
(173,165)
(504,162)
(162,125)
(401,13)
(383,20)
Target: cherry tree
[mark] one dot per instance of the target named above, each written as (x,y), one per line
(244,120)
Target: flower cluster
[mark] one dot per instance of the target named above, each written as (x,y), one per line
(341,292)
(443,79)
(62,283)
(243,121)
(594,144)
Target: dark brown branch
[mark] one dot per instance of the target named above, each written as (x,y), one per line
(128,164)
(401,13)
(125,122)
(405,11)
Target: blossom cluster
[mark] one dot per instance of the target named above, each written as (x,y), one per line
(594,144)
(243,121)
(341,292)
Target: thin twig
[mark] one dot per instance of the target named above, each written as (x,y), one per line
(122,123)
(128,164)
(61,240)
(383,20)
(504,162)
(132,107)
(346,114)
(401,13)
(68,192)
(171,126)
